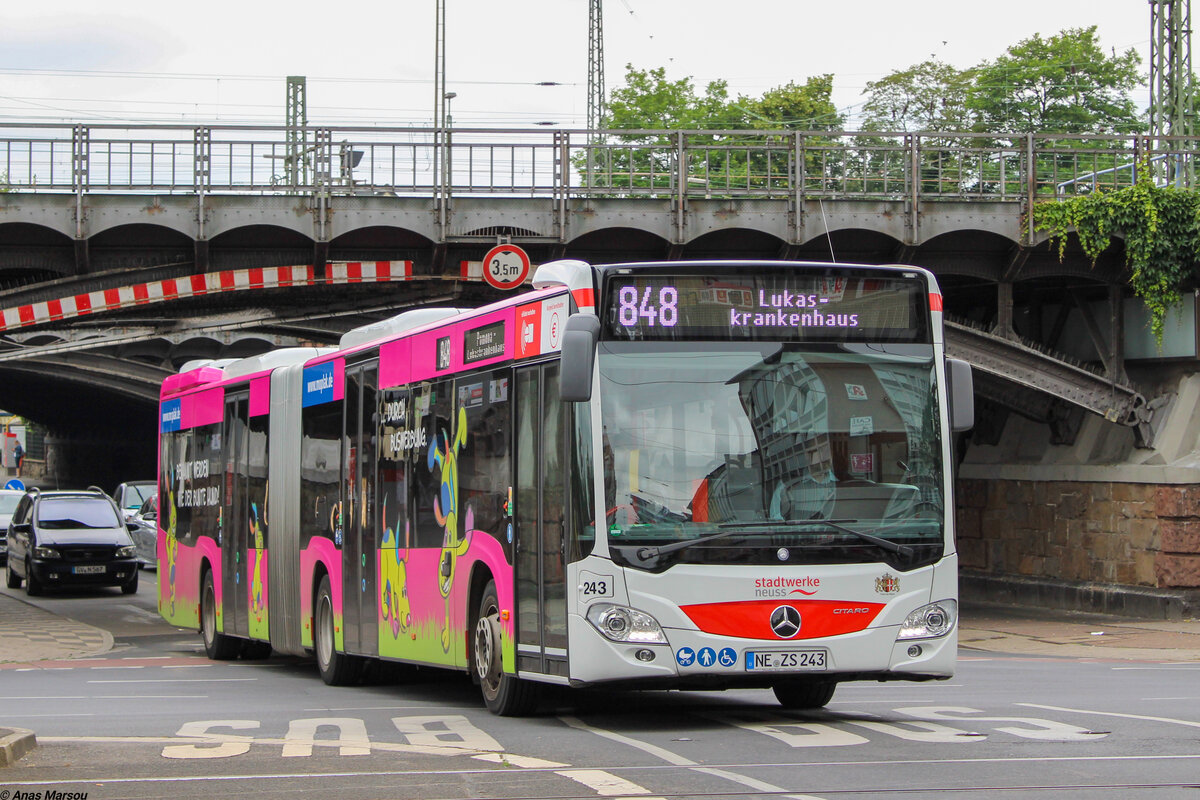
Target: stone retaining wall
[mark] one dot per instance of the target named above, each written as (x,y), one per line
(1108,533)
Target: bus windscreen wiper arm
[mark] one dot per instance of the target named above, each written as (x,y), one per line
(646,553)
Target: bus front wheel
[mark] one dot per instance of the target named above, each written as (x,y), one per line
(505,695)
(806,694)
(337,669)
(217,646)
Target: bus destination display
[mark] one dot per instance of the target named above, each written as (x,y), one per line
(776,306)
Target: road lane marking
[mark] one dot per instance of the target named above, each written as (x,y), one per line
(667,755)
(606,784)
(394,708)
(1183,666)
(110,697)
(180,680)
(131,666)
(1145,717)
(645,747)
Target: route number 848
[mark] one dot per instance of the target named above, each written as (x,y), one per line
(661,310)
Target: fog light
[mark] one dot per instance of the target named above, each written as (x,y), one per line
(914,651)
(644,655)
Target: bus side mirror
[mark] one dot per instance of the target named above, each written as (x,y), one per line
(960,393)
(578,357)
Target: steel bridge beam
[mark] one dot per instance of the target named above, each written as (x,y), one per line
(1053,375)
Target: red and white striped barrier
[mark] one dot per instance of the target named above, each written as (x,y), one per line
(231,280)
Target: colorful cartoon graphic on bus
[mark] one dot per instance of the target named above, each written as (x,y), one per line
(172,549)
(257,562)
(393,566)
(444,453)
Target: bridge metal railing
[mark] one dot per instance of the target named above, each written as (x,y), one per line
(573,163)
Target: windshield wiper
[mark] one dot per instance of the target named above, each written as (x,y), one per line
(648,553)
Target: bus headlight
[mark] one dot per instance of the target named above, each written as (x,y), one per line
(930,622)
(48,553)
(622,624)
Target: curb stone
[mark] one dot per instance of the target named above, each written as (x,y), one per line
(14,743)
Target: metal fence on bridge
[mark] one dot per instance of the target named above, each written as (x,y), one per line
(558,163)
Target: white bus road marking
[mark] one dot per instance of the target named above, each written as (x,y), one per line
(670,757)
(1041,729)
(445,735)
(302,736)
(820,732)
(1145,717)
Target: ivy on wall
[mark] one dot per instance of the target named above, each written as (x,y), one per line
(1161,227)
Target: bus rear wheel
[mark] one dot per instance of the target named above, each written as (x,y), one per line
(804,694)
(217,646)
(337,669)
(505,695)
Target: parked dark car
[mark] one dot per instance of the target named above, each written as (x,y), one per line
(144,530)
(130,495)
(69,538)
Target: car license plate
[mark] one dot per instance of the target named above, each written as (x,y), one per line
(95,569)
(785,660)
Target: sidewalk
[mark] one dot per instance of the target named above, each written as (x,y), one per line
(1069,634)
(28,634)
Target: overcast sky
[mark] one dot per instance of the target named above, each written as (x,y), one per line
(371,62)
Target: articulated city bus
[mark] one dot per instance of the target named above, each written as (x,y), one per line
(680,475)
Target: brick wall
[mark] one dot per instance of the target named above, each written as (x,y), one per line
(1111,533)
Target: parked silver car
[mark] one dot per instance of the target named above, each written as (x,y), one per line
(8,504)
(143,528)
(130,495)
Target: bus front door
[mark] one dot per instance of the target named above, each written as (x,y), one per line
(540,553)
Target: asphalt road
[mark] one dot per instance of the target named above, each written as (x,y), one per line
(153,718)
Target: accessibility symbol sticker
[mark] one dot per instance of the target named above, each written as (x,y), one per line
(707,657)
(727,657)
(685,656)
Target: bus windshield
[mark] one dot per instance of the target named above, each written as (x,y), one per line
(753,452)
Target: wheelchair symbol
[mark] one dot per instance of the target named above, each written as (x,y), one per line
(726,658)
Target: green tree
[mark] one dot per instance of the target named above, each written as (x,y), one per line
(738,155)
(649,101)
(930,96)
(1064,84)
(808,106)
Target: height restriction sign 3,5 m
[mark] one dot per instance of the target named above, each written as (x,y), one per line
(506,266)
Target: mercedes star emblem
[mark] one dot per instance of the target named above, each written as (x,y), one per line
(785,621)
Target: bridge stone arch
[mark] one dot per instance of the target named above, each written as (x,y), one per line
(616,244)
(731,242)
(259,245)
(379,243)
(34,252)
(138,245)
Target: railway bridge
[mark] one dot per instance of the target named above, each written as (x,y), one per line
(127,251)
